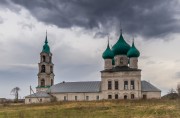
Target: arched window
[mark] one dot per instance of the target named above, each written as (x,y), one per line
(116,96)
(51,69)
(42,82)
(125,97)
(49,59)
(52,82)
(43,58)
(43,69)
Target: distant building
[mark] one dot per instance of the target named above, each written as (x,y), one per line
(120,79)
(3,100)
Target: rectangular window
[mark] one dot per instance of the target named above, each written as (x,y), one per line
(109,96)
(40,100)
(29,100)
(97,97)
(76,98)
(64,98)
(116,85)
(109,85)
(132,84)
(125,85)
(87,97)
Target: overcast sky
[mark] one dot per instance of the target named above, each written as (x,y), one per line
(77,35)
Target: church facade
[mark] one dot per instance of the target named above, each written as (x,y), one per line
(120,78)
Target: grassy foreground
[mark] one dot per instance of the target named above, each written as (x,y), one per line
(95,109)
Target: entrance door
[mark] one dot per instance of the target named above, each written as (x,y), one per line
(116,96)
(132,96)
(125,97)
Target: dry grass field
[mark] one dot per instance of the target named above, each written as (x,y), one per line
(95,109)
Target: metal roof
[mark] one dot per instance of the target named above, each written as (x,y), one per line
(147,87)
(40,94)
(76,87)
(86,86)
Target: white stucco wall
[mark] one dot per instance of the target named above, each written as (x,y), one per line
(80,96)
(35,100)
(121,77)
(152,95)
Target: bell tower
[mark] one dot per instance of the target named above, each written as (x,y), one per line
(46,67)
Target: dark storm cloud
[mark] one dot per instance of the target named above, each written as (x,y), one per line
(7,4)
(3,2)
(100,34)
(149,18)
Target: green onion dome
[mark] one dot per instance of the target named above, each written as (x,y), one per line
(108,54)
(121,47)
(46,47)
(133,52)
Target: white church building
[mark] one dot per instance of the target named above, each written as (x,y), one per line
(120,78)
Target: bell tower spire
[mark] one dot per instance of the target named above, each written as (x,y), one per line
(46,47)
(46,73)
(46,41)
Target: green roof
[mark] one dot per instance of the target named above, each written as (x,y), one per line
(121,47)
(133,52)
(46,47)
(108,54)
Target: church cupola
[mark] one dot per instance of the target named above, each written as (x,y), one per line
(46,68)
(120,50)
(108,56)
(133,55)
(121,47)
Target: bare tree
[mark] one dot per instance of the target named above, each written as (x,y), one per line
(172,94)
(15,92)
(172,91)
